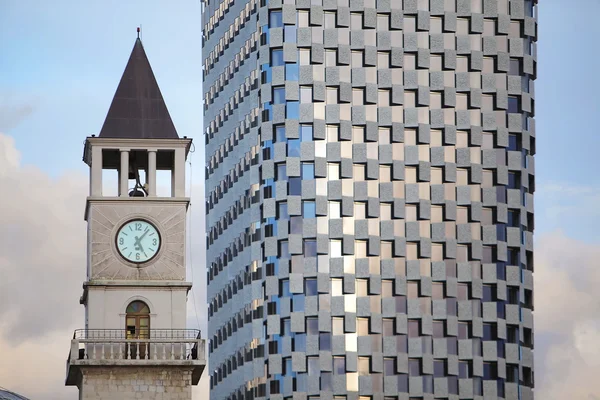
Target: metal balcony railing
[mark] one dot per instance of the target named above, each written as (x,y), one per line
(116,334)
(150,345)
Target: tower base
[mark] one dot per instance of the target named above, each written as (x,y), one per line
(125,383)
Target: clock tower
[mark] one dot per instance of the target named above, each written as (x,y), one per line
(135,343)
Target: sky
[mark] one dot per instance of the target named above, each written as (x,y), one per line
(60,63)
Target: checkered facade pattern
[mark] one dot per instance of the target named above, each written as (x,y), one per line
(369,198)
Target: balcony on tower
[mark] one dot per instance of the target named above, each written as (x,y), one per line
(182,348)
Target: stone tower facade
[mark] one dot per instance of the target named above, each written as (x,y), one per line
(369,196)
(135,343)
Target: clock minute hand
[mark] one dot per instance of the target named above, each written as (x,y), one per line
(145,233)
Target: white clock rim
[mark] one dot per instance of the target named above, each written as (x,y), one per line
(121,223)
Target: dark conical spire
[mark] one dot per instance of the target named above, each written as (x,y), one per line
(138,110)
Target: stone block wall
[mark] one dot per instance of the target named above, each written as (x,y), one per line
(136,383)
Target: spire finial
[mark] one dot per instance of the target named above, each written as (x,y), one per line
(138,32)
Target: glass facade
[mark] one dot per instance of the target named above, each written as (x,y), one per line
(369,186)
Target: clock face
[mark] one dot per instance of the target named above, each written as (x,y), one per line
(138,241)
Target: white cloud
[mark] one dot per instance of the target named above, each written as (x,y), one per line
(42,253)
(42,266)
(36,367)
(12,115)
(567,318)
(9,156)
(586,340)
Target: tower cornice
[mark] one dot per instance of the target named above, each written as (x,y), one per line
(133,144)
(132,200)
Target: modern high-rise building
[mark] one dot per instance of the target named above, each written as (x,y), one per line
(369,198)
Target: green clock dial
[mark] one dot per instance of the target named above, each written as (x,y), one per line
(138,241)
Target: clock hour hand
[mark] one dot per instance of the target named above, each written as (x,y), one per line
(138,241)
(138,244)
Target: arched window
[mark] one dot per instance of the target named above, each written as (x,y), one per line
(137,327)
(138,320)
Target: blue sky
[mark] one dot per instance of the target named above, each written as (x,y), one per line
(61,61)
(65,58)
